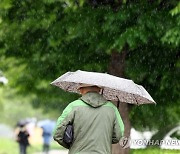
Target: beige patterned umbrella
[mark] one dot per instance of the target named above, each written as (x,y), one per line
(114,88)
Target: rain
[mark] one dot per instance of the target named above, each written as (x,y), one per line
(132,40)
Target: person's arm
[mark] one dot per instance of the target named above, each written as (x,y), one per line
(66,118)
(118,130)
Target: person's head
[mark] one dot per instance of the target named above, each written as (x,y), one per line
(86,89)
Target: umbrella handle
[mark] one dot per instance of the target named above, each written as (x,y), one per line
(102,90)
(118,102)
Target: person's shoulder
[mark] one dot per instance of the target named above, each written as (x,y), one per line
(111,105)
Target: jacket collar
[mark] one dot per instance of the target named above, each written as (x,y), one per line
(93,99)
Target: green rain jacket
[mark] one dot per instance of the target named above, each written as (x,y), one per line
(97,125)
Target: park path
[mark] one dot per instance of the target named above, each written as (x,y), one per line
(55,152)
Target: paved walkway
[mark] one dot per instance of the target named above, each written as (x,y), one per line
(55,152)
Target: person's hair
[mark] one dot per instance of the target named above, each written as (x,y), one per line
(21,125)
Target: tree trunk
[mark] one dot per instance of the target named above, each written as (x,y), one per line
(117,68)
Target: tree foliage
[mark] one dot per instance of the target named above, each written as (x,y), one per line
(172,36)
(51,37)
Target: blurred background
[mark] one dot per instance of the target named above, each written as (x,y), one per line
(135,39)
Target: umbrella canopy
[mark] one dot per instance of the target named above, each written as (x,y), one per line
(47,125)
(24,122)
(114,88)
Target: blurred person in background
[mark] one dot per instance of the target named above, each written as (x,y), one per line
(22,139)
(47,129)
(46,141)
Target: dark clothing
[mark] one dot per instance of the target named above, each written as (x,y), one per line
(22,148)
(45,148)
(22,138)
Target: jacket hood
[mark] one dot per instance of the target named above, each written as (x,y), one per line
(94,99)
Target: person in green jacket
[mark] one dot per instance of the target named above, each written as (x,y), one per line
(97,123)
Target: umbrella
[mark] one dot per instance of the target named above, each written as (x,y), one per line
(47,125)
(23,122)
(114,88)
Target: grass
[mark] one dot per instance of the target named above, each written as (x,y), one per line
(8,146)
(154,151)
